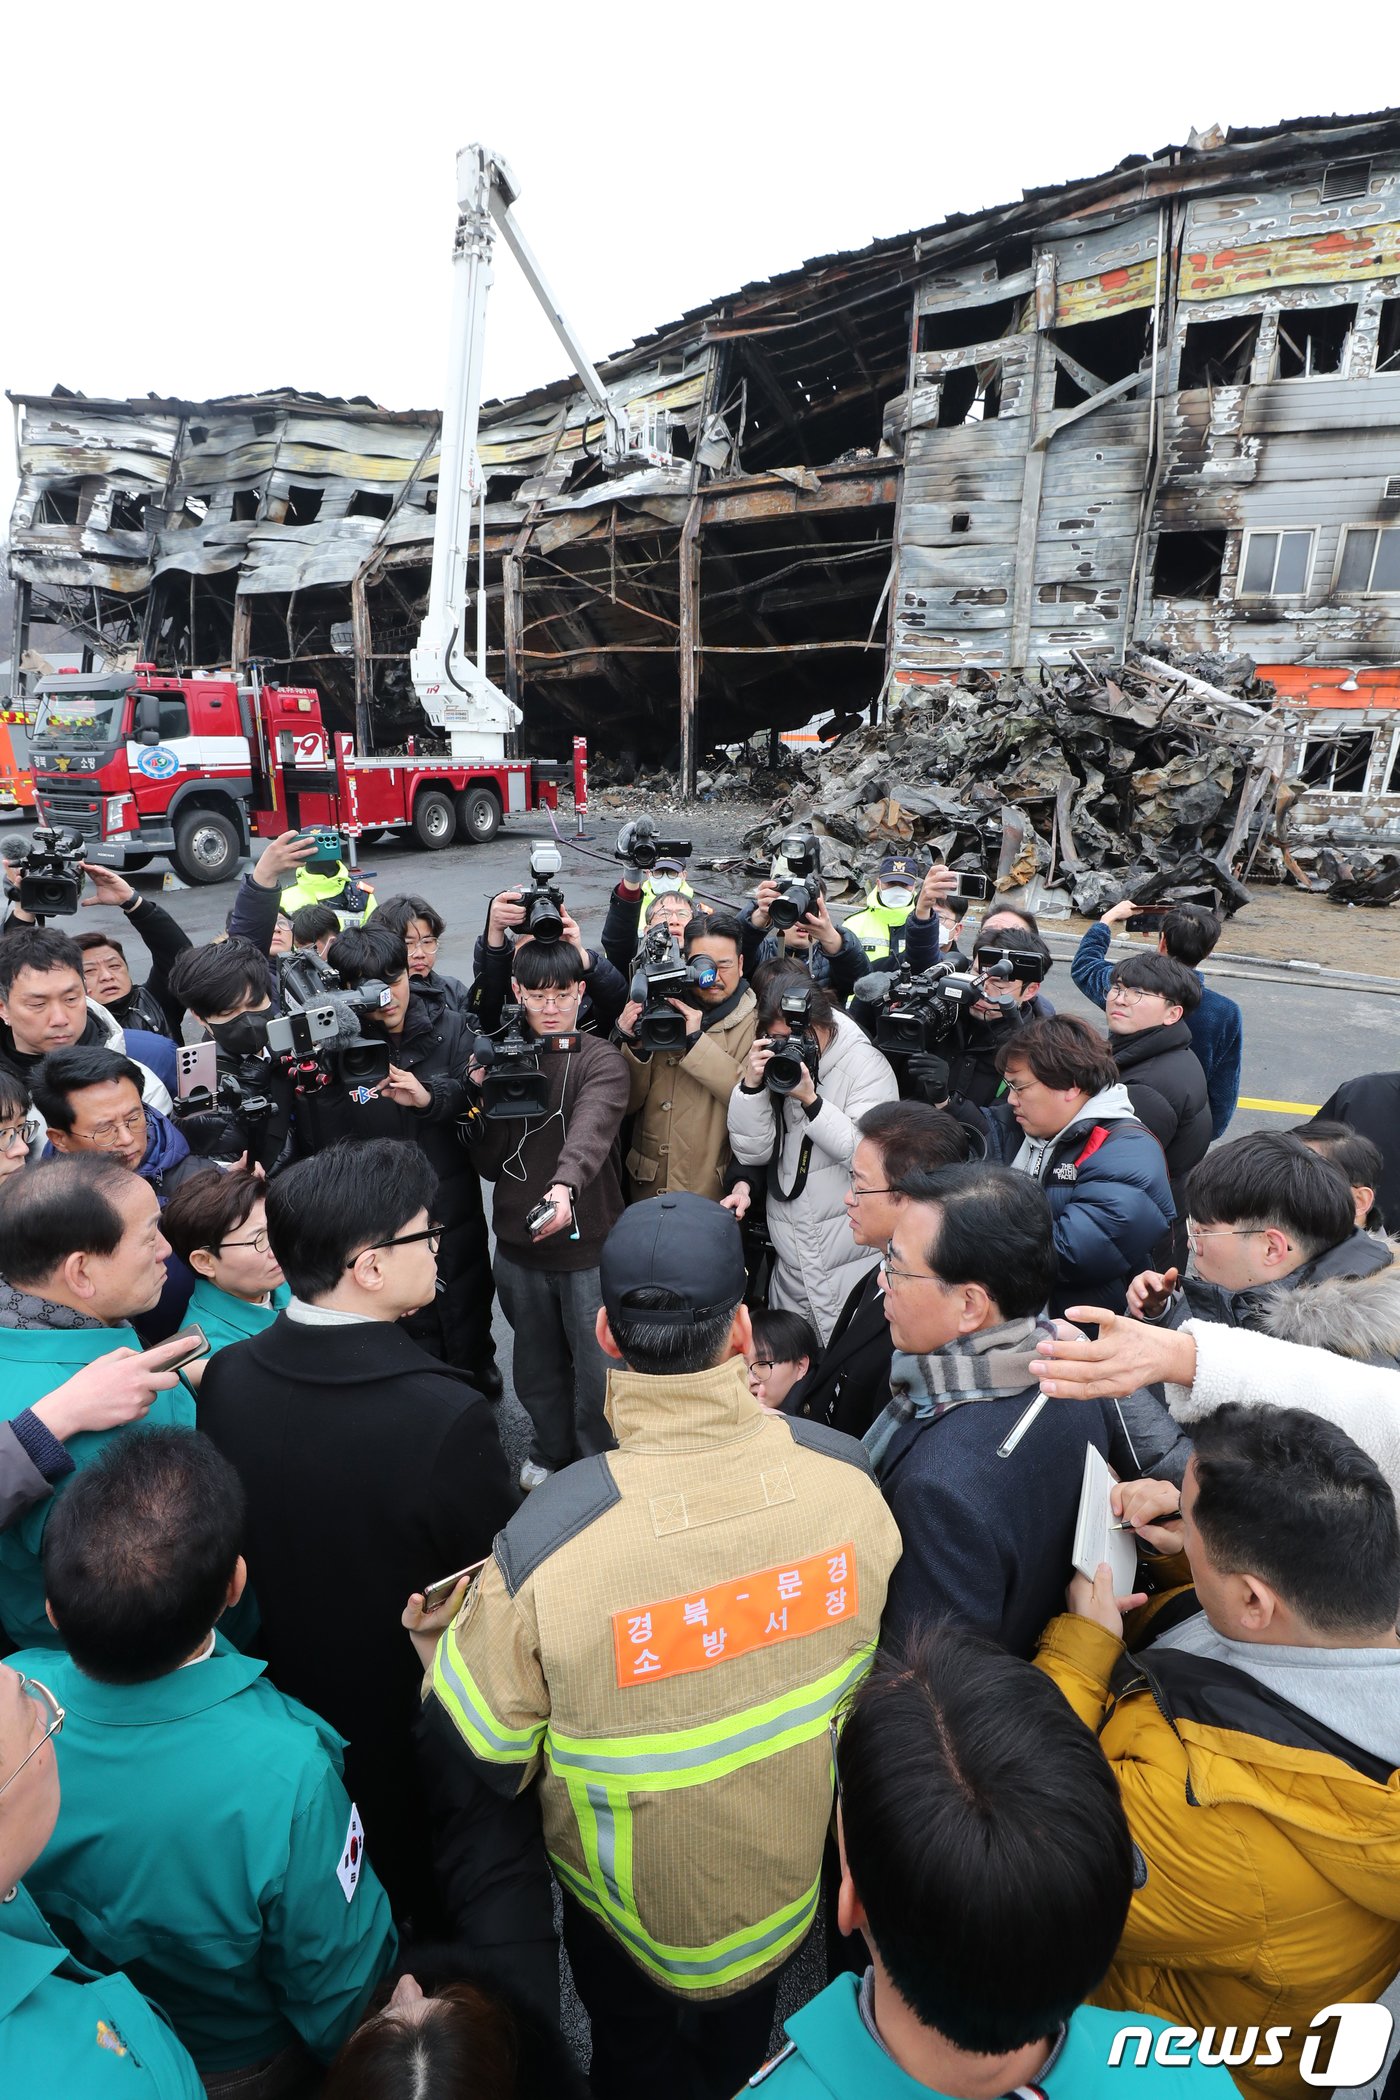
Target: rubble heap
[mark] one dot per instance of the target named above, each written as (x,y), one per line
(1089,785)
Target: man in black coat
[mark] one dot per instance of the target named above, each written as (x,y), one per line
(1149,997)
(370,1469)
(1370,1104)
(850,1381)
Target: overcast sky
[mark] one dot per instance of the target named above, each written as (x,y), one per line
(262,195)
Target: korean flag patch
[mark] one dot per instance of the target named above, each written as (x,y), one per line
(352,1859)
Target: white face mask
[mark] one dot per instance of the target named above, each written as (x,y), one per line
(892,899)
(663,885)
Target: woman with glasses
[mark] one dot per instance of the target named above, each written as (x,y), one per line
(217,1223)
(421,927)
(63,2028)
(20,1128)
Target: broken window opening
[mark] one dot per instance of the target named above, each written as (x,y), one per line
(369,503)
(1313,340)
(303,506)
(1370,559)
(1105,350)
(1080,594)
(128,513)
(1338,764)
(980,594)
(1188,564)
(970,395)
(246,503)
(60,504)
(1277,564)
(1388,339)
(1218,353)
(679,442)
(430,501)
(962,327)
(1390,785)
(961,521)
(504,488)
(1346,178)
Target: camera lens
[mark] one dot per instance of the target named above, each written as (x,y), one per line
(544,922)
(783,1072)
(782,913)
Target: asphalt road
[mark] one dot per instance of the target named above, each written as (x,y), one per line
(1300,1039)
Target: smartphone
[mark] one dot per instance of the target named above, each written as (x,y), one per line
(197,1065)
(1148,920)
(980,887)
(189,1343)
(436,1594)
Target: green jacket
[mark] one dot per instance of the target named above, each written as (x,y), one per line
(232,1885)
(33,1360)
(70,2034)
(873,926)
(311,888)
(832,2055)
(225,1318)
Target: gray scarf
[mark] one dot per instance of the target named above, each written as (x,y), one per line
(23,1309)
(994,1364)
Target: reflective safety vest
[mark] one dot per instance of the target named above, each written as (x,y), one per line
(662,1636)
(313,888)
(682,889)
(876,926)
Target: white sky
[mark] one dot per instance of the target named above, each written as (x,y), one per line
(259,195)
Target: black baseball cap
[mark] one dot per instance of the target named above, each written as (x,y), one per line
(681,1243)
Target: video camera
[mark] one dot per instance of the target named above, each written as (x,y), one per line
(918,1011)
(801,856)
(637,842)
(800,1052)
(544,900)
(222,1122)
(320,1039)
(513,1081)
(50,872)
(662,973)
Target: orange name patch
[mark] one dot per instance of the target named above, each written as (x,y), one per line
(705,1627)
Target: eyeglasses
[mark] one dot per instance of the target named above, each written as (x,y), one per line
(882,1189)
(433,1236)
(112,1133)
(12,1135)
(258,1243)
(538,1002)
(1133,993)
(760,1367)
(420,940)
(1196,1233)
(42,1696)
(892,1275)
(1019,1086)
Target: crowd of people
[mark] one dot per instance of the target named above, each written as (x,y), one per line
(851,1289)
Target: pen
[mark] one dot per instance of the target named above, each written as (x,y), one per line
(1169,1516)
(1021,1425)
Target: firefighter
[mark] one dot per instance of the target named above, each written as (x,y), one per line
(659,1641)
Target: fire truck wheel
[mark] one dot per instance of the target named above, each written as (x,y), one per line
(207,846)
(434,819)
(478,816)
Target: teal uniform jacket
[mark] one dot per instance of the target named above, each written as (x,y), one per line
(832,2055)
(33,1360)
(67,2034)
(225,1318)
(206,1845)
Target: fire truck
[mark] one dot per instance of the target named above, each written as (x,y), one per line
(142,763)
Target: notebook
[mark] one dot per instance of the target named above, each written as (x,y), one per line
(1094,1539)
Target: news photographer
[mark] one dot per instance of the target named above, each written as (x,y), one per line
(228,986)
(652,868)
(945,1028)
(429,1044)
(686,1033)
(544,1128)
(106,973)
(810,1075)
(788,917)
(536,912)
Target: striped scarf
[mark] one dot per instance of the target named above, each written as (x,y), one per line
(993,1364)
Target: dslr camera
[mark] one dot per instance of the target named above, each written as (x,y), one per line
(543,899)
(224,1121)
(320,1038)
(661,972)
(799,1052)
(798,877)
(513,1081)
(637,842)
(50,872)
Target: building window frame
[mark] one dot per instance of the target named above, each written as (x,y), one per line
(1277,533)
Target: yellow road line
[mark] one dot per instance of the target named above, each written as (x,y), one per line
(1280,1108)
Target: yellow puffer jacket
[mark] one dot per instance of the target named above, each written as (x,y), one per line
(1271,1847)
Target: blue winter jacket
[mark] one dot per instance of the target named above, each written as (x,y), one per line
(1109,1197)
(1217,1025)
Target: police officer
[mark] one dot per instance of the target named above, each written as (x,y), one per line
(658,1641)
(204,1836)
(64,2029)
(324,879)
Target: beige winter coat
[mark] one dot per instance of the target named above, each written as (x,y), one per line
(680,1139)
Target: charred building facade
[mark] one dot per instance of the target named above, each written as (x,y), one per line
(1159,408)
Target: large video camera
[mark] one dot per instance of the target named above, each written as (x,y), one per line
(320,1038)
(800,1051)
(637,842)
(513,1080)
(800,858)
(543,899)
(223,1122)
(918,1011)
(661,972)
(50,872)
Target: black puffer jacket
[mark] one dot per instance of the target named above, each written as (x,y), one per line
(1168,1091)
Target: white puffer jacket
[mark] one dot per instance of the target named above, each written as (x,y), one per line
(817,1262)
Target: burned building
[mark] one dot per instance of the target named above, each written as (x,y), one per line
(1157,408)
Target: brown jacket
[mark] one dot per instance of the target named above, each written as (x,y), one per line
(574,1141)
(680,1139)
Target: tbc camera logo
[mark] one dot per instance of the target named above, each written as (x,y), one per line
(159,762)
(1359,2038)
